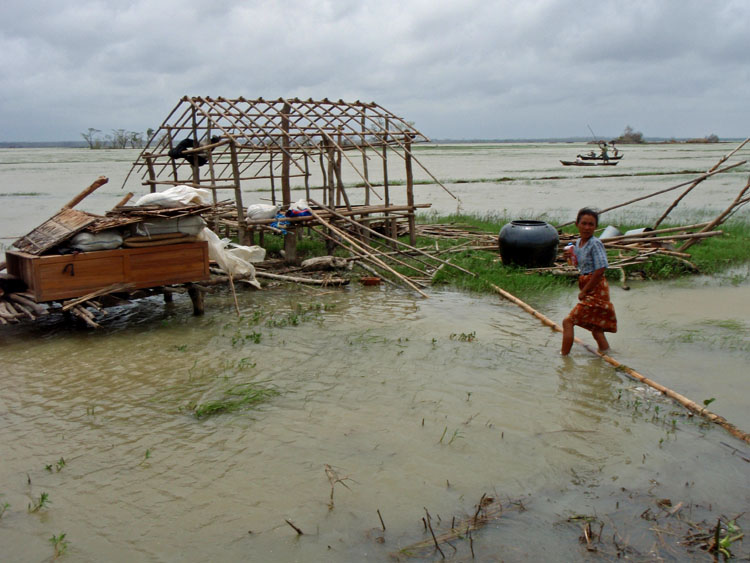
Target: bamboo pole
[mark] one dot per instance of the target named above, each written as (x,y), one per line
(409,188)
(721,161)
(114,288)
(124,200)
(373,259)
(398,242)
(98,183)
(646,240)
(328,138)
(241,219)
(684,401)
(296,279)
(367,253)
(656,232)
(720,219)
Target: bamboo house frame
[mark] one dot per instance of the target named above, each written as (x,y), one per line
(226,144)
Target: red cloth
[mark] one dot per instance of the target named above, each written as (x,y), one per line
(596,311)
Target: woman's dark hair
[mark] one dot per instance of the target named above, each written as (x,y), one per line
(588,211)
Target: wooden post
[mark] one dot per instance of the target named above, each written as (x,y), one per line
(171,146)
(410,190)
(290,240)
(331,174)
(325,177)
(307,177)
(364,162)
(196,296)
(273,181)
(390,224)
(151,173)
(339,182)
(196,156)
(241,221)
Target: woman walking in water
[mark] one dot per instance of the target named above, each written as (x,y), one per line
(594,310)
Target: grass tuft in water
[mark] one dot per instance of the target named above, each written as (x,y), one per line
(42,502)
(238,397)
(60,544)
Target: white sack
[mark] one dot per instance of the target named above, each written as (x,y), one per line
(262,211)
(176,196)
(190,225)
(104,240)
(248,253)
(227,261)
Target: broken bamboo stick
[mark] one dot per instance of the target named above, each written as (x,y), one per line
(114,288)
(99,182)
(28,303)
(296,279)
(84,315)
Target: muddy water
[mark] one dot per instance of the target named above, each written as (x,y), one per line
(415,403)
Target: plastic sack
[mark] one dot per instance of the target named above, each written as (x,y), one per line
(176,196)
(190,225)
(280,224)
(104,240)
(299,209)
(227,261)
(262,211)
(248,253)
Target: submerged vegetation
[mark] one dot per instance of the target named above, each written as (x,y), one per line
(235,398)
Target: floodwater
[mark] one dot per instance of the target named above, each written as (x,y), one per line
(415,404)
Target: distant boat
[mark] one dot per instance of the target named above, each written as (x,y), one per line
(588,163)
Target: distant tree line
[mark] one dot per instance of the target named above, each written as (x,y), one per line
(118,139)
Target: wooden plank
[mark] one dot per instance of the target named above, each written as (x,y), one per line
(54,230)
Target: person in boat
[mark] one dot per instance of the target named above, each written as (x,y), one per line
(594,311)
(603,147)
(615,152)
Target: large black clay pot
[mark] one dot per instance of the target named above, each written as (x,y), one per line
(532,244)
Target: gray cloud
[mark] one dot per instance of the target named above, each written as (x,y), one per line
(458,69)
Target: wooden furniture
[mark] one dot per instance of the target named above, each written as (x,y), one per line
(57,276)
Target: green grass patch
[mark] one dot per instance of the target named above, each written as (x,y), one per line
(235,398)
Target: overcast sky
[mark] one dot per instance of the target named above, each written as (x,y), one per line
(459,69)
